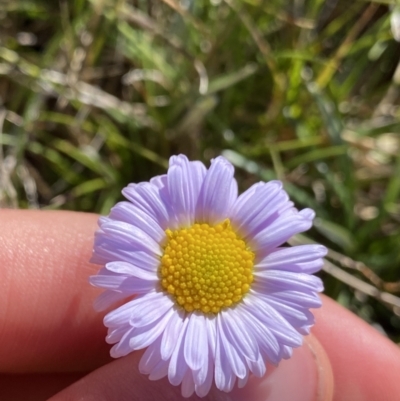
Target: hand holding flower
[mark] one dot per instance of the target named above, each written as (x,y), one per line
(52,339)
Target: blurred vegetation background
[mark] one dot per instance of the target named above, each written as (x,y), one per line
(95,94)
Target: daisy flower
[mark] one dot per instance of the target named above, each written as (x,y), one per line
(209,289)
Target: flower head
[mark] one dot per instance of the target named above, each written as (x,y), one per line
(215,296)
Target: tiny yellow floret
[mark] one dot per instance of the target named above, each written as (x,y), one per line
(206,268)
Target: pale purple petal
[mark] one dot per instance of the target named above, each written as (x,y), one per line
(233,358)
(145,335)
(307,214)
(178,366)
(159,181)
(292,313)
(119,316)
(185,180)
(243,382)
(109,249)
(171,333)
(115,334)
(305,299)
(305,329)
(147,197)
(122,348)
(272,319)
(148,309)
(124,278)
(201,375)
(107,298)
(124,313)
(204,376)
(224,375)
(211,325)
(259,207)
(267,342)
(128,213)
(123,284)
(187,384)
(218,192)
(278,232)
(282,330)
(202,386)
(301,258)
(196,343)
(131,236)
(244,198)
(131,270)
(107,281)
(286,280)
(287,352)
(151,357)
(257,367)
(238,334)
(159,371)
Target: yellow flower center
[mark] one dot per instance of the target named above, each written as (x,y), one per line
(206,268)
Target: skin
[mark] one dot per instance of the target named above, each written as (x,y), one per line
(52,341)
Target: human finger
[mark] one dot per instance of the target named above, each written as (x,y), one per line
(365,364)
(34,387)
(47,322)
(304,377)
(51,251)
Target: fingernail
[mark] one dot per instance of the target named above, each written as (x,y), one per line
(306,376)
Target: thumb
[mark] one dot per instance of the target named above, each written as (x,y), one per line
(307,376)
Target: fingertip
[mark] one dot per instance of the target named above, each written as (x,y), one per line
(365,364)
(325,383)
(306,376)
(47,321)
